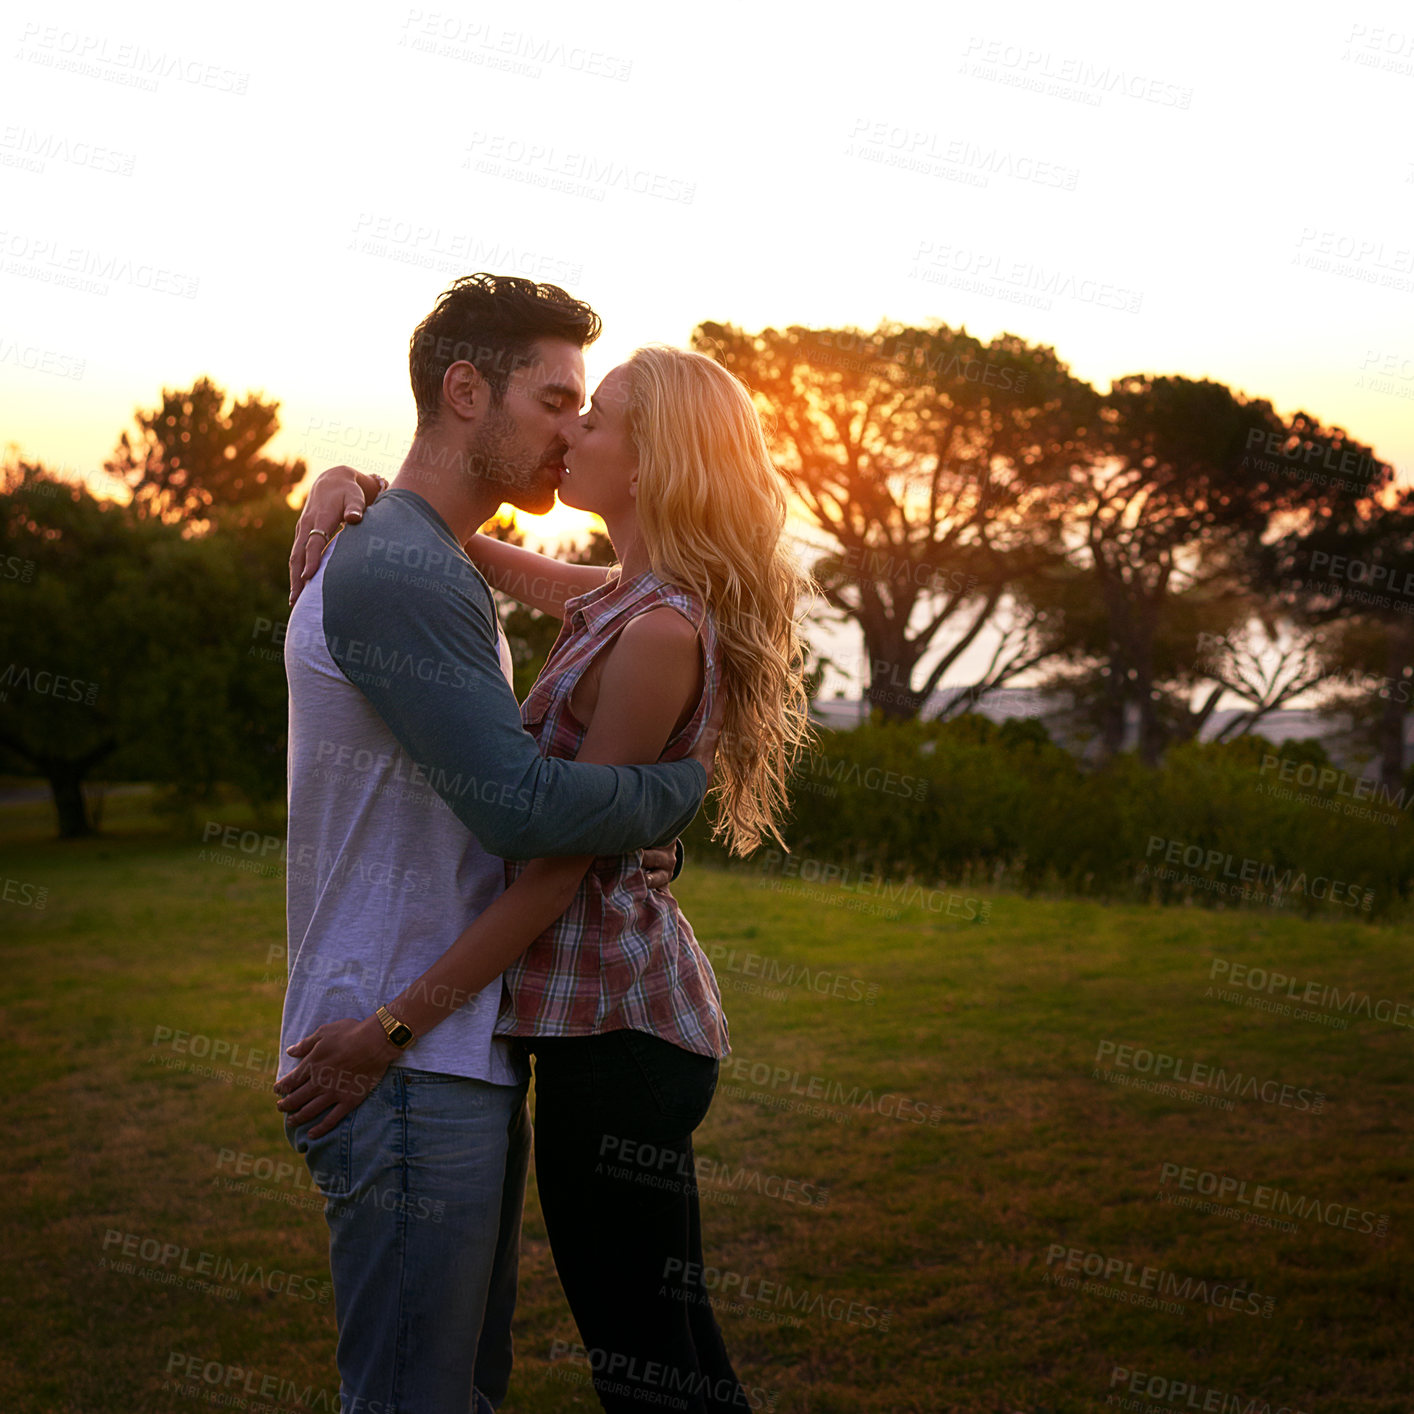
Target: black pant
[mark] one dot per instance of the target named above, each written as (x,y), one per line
(614,1116)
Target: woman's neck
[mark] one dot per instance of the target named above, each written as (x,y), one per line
(629,549)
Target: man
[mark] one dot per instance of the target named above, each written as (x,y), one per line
(410,779)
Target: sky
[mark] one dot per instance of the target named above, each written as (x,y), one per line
(274,197)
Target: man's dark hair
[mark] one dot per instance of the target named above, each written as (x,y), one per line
(490,322)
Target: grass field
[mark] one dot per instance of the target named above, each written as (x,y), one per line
(943,1267)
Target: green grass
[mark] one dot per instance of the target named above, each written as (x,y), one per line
(991,1027)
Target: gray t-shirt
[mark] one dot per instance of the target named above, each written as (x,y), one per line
(407,764)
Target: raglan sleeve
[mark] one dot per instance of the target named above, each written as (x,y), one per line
(427,660)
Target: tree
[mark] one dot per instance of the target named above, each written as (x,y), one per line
(932,462)
(1266,663)
(136,649)
(70,651)
(210,706)
(1088,674)
(1172,510)
(194,459)
(1355,577)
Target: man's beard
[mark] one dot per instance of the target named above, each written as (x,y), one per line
(524,478)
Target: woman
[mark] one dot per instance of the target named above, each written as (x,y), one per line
(603,978)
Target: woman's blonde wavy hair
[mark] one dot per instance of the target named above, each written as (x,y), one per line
(712,510)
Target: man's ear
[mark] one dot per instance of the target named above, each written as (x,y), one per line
(465,393)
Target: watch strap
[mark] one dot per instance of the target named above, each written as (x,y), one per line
(398,1032)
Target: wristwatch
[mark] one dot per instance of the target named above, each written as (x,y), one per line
(398,1032)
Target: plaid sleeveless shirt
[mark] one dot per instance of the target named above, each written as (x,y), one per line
(622,956)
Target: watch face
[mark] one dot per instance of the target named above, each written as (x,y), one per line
(401,1034)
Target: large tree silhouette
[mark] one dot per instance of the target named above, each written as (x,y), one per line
(1167,524)
(932,464)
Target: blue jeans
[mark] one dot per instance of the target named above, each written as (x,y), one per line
(423,1187)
